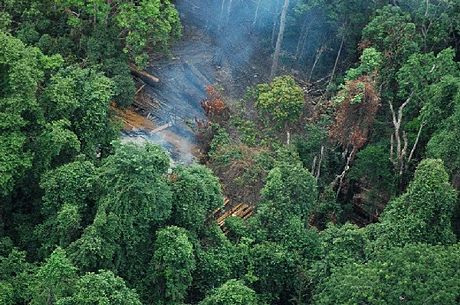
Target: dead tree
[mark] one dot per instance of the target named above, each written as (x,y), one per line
(354,119)
(319,53)
(399,141)
(339,53)
(279,40)
(303,38)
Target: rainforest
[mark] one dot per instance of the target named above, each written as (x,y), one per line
(229,152)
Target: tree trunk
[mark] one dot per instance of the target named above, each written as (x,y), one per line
(146,77)
(319,52)
(337,58)
(279,41)
(398,157)
(340,178)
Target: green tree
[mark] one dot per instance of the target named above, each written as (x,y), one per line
(21,73)
(414,274)
(232,292)
(282,100)
(16,274)
(215,264)
(171,267)
(82,96)
(68,192)
(292,189)
(104,35)
(196,194)
(135,200)
(393,33)
(423,213)
(444,144)
(101,288)
(435,21)
(272,266)
(339,246)
(55,279)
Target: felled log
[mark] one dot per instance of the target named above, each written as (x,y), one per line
(143,75)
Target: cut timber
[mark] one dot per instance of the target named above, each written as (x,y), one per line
(146,77)
(161,128)
(132,120)
(241,210)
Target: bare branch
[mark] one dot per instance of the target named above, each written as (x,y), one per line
(319,163)
(416,142)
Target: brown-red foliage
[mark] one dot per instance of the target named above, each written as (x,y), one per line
(354,119)
(213,105)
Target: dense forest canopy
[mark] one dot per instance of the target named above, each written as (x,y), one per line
(342,150)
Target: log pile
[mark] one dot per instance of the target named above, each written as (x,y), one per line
(132,120)
(241,210)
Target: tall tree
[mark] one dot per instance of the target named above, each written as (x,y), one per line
(135,200)
(171,267)
(423,213)
(196,194)
(414,274)
(279,40)
(55,279)
(103,287)
(232,292)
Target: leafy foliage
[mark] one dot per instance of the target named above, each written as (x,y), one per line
(414,274)
(101,288)
(171,267)
(196,194)
(424,212)
(232,292)
(282,100)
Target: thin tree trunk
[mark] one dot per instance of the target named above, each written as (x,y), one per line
(338,57)
(318,173)
(401,144)
(302,51)
(313,166)
(279,41)
(319,52)
(339,179)
(411,155)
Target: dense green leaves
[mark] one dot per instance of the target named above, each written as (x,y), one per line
(55,279)
(171,267)
(232,292)
(136,199)
(101,288)
(422,214)
(196,194)
(415,274)
(281,100)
